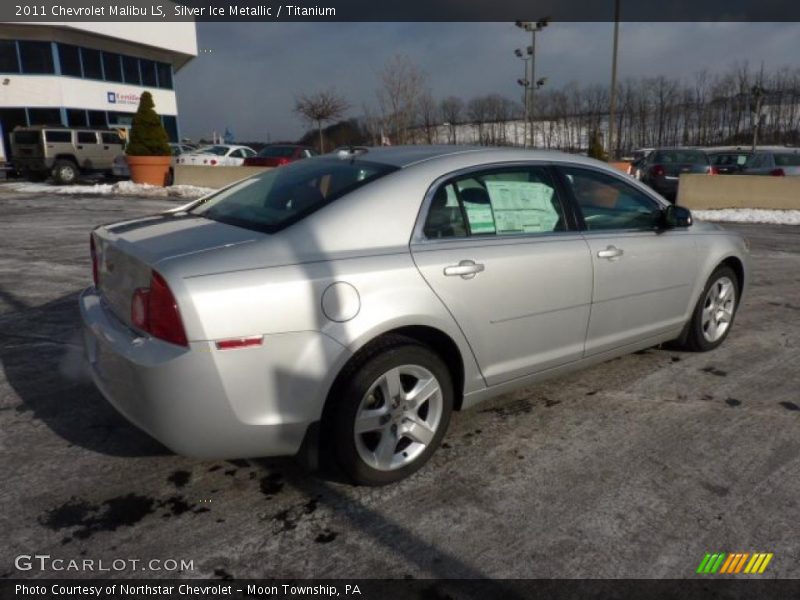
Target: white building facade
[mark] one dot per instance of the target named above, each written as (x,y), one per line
(90,74)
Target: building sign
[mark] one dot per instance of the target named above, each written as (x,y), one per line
(122,98)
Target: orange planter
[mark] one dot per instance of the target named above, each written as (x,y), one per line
(149,169)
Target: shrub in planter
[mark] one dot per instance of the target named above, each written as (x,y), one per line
(148,148)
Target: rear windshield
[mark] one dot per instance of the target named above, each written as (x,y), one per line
(787,160)
(681,157)
(277,151)
(26,137)
(279,197)
(217,150)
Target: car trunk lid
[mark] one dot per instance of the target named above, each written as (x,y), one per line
(127,252)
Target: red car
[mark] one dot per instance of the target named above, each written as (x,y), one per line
(275,156)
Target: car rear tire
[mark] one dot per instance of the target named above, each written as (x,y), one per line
(715,311)
(65,172)
(391,411)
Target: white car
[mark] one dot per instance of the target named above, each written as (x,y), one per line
(218,155)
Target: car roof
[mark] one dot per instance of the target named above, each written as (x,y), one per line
(406,156)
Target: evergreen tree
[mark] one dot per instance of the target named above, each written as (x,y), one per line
(148,136)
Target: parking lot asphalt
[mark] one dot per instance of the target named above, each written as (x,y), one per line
(634,468)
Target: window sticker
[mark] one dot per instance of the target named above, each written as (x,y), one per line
(522,206)
(480,217)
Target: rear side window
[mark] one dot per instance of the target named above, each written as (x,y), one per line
(280,197)
(496,202)
(58,137)
(87,137)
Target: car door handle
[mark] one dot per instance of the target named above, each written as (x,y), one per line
(467,269)
(611,252)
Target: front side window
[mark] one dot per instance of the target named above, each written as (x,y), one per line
(607,203)
(279,197)
(497,202)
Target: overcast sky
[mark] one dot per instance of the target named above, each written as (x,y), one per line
(247,75)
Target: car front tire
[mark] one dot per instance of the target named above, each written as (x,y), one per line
(715,311)
(391,412)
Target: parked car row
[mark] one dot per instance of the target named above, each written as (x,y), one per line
(661,168)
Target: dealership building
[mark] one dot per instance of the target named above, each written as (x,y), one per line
(90,74)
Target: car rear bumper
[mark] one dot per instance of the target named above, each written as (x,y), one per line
(206,403)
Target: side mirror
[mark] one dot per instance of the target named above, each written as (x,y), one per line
(677,216)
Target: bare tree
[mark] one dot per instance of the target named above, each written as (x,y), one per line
(402,84)
(452,109)
(428,115)
(319,108)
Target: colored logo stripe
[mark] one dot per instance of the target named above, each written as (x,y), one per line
(734,562)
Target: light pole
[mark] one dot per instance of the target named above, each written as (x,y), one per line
(533,27)
(526,84)
(613,100)
(755,107)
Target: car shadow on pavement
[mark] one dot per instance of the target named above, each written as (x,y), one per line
(41,356)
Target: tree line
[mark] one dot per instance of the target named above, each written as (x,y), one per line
(704,109)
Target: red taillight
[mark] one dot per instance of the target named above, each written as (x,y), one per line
(283,161)
(657,171)
(778,173)
(713,171)
(95,269)
(155,311)
(212,162)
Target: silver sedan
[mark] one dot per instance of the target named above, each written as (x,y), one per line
(343,306)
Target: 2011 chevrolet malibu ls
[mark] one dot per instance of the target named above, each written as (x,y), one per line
(349,303)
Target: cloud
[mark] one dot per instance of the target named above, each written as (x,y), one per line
(248,80)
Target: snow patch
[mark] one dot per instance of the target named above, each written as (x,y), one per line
(121,188)
(749,215)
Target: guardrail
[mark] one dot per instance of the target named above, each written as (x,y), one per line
(738,191)
(213,177)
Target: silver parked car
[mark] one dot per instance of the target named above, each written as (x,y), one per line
(778,163)
(351,303)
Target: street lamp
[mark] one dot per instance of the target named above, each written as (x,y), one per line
(533,27)
(526,86)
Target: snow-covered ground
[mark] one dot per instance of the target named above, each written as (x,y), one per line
(121,188)
(749,215)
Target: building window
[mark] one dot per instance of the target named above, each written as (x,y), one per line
(36,57)
(44,116)
(149,77)
(97,118)
(112,67)
(92,68)
(130,70)
(164,75)
(9,61)
(76,117)
(70,59)
(171,125)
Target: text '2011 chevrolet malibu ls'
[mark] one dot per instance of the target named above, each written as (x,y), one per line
(351,302)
